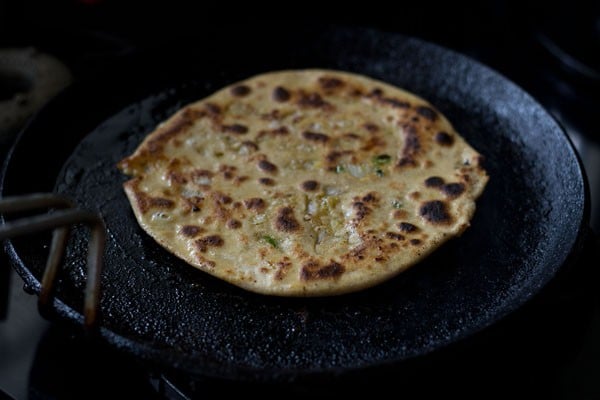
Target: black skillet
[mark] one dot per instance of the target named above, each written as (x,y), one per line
(529,222)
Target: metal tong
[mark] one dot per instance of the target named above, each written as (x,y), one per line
(60,221)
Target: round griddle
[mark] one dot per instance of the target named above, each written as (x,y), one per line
(529,221)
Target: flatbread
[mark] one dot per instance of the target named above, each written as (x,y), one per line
(304,183)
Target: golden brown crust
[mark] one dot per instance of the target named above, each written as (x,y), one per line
(304,183)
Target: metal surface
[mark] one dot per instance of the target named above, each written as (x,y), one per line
(59,221)
(530,220)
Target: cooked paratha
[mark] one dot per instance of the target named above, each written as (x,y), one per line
(304,183)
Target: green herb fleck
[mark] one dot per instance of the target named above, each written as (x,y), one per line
(270,240)
(382,159)
(379,172)
(339,169)
(397,204)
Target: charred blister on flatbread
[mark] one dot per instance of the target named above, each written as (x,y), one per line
(333,156)
(285,220)
(145,202)
(444,138)
(281,94)
(240,90)
(351,136)
(434,182)
(191,230)
(266,181)
(330,82)
(407,227)
(176,178)
(283,268)
(315,137)
(310,186)
(234,224)
(371,197)
(238,180)
(213,109)
(395,102)
(427,112)
(280,131)
(435,212)
(412,146)
(193,203)
(235,128)
(204,243)
(250,145)
(453,190)
(361,211)
(313,271)
(228,171)
(374,142)
(394,236)
(221,198)
(267,166)
(255,204)
(313,100)
(371,127)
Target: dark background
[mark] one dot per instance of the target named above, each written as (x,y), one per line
(549,349)
(512,37)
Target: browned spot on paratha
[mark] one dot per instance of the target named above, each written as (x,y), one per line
(435,212)
(434,182)
(286,221)
(313,100)
(240,90)
(267,166)
(314,271)
(145,202)
(281,131)
(235,128)
(315,136)
(412,145)
(191,230)
(281,94)
(407,227)
(371,127)
(394,236)
(209,241)
(310,185)
(234,224)
(267,181)
(444,138)
(330,82)
(453,190)
(427,112)
(255,204)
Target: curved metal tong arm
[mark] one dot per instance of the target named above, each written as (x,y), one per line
(60,221)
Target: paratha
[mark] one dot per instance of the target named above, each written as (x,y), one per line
(304,182)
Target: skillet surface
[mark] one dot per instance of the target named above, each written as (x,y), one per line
(528,221)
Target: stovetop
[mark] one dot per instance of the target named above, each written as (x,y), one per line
(549,348)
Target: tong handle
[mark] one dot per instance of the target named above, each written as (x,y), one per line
(60,221)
